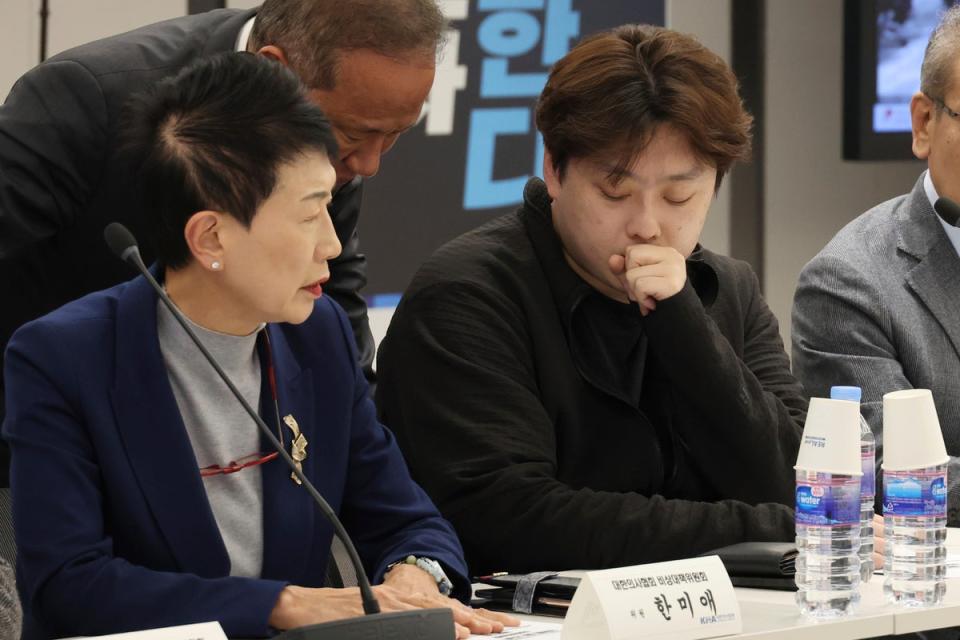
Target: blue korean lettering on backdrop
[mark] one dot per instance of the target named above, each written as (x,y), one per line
(512,28)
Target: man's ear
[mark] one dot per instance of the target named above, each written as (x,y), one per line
(202,234)
(274,53)
(922,116)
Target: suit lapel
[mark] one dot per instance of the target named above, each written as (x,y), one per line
(156,440)
(289,525)
(937,271)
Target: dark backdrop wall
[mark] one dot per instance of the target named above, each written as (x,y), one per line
(467,160)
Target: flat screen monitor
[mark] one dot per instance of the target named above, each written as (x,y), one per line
(884,43)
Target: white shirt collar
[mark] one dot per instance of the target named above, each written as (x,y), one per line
(931,190)
(244,34)
(953,233)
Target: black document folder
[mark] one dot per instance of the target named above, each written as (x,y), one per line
(552,596)
(758,565)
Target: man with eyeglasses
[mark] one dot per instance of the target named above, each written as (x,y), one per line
(879,306)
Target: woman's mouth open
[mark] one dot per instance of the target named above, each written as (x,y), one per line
(315,289)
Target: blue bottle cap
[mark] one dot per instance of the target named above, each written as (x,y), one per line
(846,393)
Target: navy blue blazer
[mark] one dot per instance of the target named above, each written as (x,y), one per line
(113,526)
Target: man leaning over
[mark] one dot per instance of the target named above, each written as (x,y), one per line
(369,68)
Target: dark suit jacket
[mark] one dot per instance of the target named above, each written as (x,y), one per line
(504,417)
(878,307)
(62,181)
(113,526)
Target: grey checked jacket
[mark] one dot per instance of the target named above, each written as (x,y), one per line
(879,307)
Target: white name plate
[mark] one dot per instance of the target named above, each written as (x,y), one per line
(680,600)
(202,631)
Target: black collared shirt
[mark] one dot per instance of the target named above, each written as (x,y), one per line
(607,339)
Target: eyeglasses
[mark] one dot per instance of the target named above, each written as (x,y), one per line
(233,466)
(254,459)
(940,104)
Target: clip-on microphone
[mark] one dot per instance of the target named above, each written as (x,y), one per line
(948,210)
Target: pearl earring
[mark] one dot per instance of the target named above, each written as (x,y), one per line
(215,265)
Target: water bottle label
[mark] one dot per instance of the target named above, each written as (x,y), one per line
(915,494)
(829,503)
(868,481)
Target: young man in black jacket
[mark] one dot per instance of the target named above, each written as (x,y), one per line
(581,384)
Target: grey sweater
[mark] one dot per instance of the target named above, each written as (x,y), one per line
(219,429)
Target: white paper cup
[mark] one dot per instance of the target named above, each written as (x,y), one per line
(831,438)
(912,438)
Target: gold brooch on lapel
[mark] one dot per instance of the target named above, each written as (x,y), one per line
(298,446)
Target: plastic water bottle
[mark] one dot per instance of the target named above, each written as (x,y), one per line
(915,529)
(828,543)
(868,482)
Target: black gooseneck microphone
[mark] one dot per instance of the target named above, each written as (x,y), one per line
(948,210)
(422,624)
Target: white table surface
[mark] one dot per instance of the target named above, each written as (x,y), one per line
(769,614)
(773,615)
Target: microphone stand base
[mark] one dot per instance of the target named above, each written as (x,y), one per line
(419,624)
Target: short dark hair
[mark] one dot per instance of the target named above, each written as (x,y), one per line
(612,91)
(213,137)
(311,32)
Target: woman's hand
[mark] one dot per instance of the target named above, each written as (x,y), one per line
(405,587)
(879,541)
